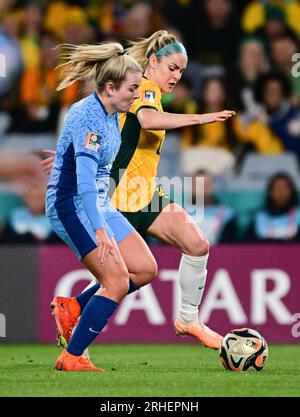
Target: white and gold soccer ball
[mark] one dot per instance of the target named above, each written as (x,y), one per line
(243,350)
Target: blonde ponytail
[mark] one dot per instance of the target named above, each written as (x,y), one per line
(143,48)
(99,63)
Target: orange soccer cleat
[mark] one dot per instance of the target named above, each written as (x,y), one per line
(66,311)
(200,331)
(68,362)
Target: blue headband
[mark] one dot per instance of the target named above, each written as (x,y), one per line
(171,48)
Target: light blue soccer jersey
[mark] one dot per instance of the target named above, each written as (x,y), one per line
(85,151)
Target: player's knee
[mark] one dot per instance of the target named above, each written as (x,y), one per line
(198,246)
(150,271)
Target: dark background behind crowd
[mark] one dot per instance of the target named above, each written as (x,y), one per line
(244,55)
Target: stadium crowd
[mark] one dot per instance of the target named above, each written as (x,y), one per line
(243,56)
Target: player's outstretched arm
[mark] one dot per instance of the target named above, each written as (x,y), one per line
(151,119)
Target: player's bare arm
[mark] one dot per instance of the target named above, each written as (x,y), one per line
(151,119)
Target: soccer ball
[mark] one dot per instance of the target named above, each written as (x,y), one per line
(243,350)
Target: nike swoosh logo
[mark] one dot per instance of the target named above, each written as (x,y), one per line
(200,288)
(91,330)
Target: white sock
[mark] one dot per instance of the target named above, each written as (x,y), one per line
(192,277)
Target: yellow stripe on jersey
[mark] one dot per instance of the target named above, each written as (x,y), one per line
(139,154)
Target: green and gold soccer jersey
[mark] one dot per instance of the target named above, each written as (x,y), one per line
(135,167)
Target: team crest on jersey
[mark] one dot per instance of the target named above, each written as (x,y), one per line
(92,141)
(149,95)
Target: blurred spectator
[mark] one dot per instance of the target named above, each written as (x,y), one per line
(6,5)
(282,50)
(217,221)
(279,220)
(273,124)
(275,26)
(39,104)
(22,174)
(65,21)
(22,168)
(181,100)
(213,32)
(11,23)
(257,135)
(11,64)
(30,34)
(214,97)
(273,92)
(257,12)
(140,21)
(221,144)
(252,62)
(29,224)
(253,128)
(79,33)
(178,13)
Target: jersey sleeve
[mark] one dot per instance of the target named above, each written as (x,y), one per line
(150,97)
(85,137)
(86,142)
(86,170)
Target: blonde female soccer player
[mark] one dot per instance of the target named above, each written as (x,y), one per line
(77,202)
(163,59)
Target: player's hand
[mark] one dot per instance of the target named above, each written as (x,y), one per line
(21,168)
(106,247)
(47,164)
(220,116)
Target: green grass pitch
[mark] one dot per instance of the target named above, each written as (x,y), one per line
(146,370)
